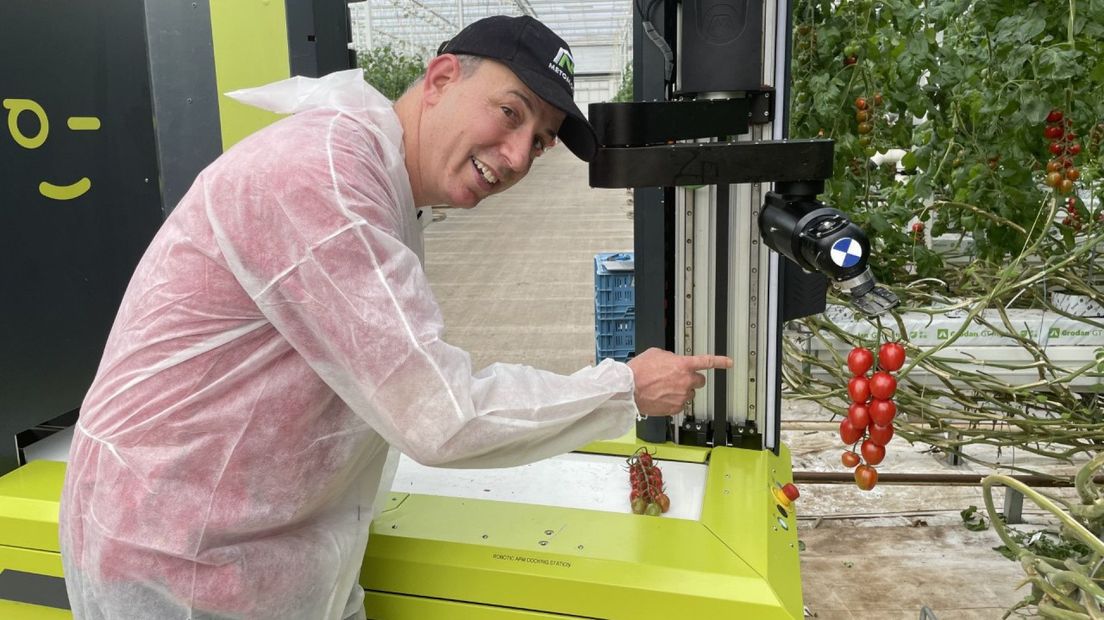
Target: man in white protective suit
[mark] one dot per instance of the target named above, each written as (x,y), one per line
(278,345)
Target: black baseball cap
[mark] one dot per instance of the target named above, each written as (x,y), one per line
(540,59)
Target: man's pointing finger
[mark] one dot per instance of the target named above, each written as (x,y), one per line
(705,362)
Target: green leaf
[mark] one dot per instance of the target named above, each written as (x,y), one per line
(908,162)
(1097,74)
(1031,28)
(879,223)
(973,519)
(1034,106)
(1006,552)
(1060,63)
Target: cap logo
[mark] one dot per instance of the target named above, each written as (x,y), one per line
(564,66)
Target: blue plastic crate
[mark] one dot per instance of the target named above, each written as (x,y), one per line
(614,308)
(615,334)
(613,313)
(614,290)
(620,355)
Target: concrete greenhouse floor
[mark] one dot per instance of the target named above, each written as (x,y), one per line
(514,279)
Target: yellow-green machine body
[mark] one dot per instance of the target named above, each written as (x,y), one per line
(436,557)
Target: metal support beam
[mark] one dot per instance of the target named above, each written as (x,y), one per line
(1013,506)
(675,165)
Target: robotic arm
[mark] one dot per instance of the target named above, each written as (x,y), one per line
(821,239)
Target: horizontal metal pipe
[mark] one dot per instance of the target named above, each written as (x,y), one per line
(933,479)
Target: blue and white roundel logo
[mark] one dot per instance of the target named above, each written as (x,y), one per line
(846,252)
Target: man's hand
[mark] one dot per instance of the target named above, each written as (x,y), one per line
(665,381)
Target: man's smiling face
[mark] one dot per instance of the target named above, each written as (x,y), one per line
(480,132)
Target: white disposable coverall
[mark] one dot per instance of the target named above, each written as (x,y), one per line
(277,343)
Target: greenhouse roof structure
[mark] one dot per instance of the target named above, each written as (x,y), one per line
(599,31)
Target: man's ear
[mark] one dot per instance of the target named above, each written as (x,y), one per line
(441,73)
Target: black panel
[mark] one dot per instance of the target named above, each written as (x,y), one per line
(69,261)
(721,29)
(185,96)
(653,223)
(654,122)
(33,589)
(318,37)
(712,163)
(803,293)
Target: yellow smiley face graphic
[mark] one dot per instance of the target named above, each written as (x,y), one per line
(15,107)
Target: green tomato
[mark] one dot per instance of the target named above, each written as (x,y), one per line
(653,510)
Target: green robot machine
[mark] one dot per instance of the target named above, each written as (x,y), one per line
(113,115)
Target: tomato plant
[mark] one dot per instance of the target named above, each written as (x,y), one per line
(977,95)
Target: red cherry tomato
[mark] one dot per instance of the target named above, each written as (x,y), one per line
(1055,116)
(859,415)
(872,453)
(858,388)
(859,360)
(866,477)
(849,434)
(663,501)
(882,385)
(849,459)
(645,459)
(880,435)
(882,411)
(891,356)
(1053,132)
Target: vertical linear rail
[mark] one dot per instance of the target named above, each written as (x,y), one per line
(720,315)
(776,70)
(742,316)
(705,318)
(683,279)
